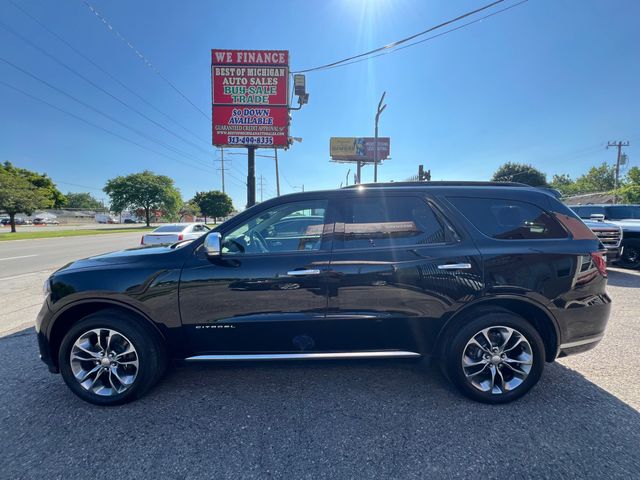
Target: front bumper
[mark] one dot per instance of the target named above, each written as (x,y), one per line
(43,341)
(613,254)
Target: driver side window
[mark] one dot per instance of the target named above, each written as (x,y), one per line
(290,227)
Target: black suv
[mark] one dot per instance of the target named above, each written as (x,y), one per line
(491,280)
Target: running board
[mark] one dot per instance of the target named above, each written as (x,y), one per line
(306,356)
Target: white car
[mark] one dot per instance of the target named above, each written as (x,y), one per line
(174,232)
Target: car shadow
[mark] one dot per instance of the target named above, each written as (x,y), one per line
(335,419)
(620,277)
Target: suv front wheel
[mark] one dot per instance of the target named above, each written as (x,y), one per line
(109,358)
(495,358)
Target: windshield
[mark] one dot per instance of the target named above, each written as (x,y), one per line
(169,229)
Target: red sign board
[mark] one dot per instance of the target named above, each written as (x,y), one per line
(250,125)
(250,90)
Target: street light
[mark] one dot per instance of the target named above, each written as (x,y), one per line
(375,155)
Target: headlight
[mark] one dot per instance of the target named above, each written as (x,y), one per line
(46,287)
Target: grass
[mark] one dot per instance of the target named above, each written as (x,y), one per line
(68,233)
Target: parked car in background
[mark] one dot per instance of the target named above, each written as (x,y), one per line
(174,232)
(610,235)
(490,280)
(625,216)
(45,221)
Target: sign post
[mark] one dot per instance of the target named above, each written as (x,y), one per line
(250,103)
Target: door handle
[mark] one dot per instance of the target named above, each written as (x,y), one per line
(455,266)
(300,273)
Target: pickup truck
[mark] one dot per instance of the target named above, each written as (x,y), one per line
(625,216)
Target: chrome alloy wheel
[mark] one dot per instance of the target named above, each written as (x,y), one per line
(104,362)
(497,360)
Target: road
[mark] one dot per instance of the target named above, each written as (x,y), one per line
(25,264)
(383,419)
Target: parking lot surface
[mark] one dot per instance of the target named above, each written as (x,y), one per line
(367,419)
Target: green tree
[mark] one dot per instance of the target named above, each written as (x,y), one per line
(190,208)
(597,179)
(521,173)
(145,191)
(38,180)
(213,204)
(630,191)
(18,195)
(563,183)
(82,200)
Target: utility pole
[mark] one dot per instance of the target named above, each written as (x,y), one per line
(275,150)
(251,176)
(619,146)
(347,178)
(375,156)
(261,187)
(222,167)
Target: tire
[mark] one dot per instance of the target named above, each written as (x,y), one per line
(514,374)
(630,257)
(138,362)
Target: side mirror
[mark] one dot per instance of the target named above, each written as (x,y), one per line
(212,244)
(599,217)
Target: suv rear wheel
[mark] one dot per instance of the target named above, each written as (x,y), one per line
(109,358)
(495,358)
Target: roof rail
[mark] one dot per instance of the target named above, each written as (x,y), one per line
(438,184)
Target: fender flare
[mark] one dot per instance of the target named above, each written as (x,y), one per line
(450,321)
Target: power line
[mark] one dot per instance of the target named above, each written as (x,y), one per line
(86,105)
(140,55)
(76,185)
(429,38)
(88,122)
(106,72)
(393,45)
(89,81)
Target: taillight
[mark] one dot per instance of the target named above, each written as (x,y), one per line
(142,240)
(600,261)
(180,237)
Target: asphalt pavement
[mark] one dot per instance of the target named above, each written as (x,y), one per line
(364,419)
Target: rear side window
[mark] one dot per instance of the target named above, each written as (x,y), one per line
(170,229)
(509,219)
(387,222)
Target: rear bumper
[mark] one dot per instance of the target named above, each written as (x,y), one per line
(579,346)
(582,327)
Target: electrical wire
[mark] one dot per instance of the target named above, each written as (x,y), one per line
(86,79)
(460,27)
(107,73)
(76,185)
(88,122)
(141,56)
(96,110)
(394,45)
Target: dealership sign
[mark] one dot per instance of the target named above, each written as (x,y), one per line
(363,149)
(250,90)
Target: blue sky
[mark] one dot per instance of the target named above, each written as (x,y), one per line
(548,82)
